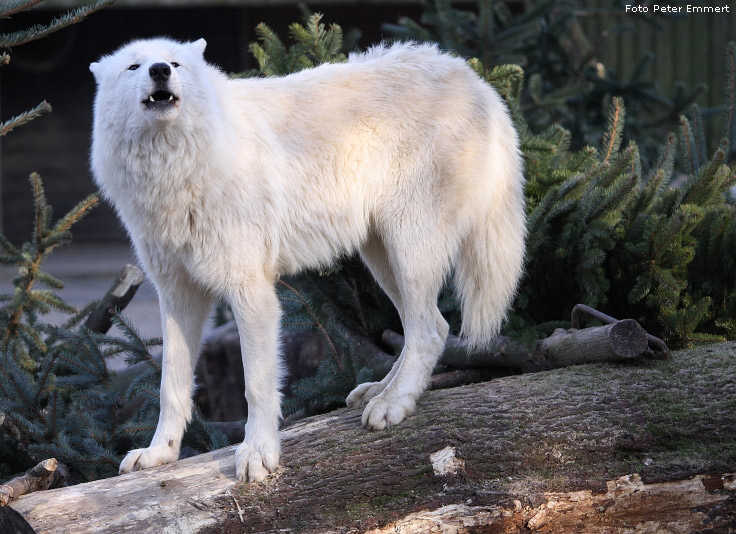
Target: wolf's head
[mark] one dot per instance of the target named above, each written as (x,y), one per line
(149,81)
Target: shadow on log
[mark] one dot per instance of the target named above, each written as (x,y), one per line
(603,448)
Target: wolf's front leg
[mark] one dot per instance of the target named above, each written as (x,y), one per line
(184,309)
(256,309)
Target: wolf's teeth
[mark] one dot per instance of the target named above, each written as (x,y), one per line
(171,97)
(150,98)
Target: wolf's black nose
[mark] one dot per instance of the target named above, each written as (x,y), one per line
(159,72)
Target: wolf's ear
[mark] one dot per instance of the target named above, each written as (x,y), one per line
(199,45)
(95,69)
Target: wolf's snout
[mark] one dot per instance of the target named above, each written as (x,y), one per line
(159,72)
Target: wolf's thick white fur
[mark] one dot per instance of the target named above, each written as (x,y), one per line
(402,153)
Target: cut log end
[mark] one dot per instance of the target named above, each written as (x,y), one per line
(41,477)
(628,339)
(617,341)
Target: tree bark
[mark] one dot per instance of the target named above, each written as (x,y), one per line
(644,445)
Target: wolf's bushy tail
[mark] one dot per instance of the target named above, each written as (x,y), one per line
(491,257)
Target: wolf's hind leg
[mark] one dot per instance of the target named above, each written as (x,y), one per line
(419,271)
(257,313)
(184,309)
(374,255)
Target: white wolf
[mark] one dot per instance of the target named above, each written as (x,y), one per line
(403,154)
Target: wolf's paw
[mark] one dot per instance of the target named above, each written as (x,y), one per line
(387,410)
(138,459)
(364,393)
(253,464)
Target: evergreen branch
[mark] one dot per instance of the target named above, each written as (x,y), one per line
(17,379)
(80,315)
(12,325)
(667,233)
(40,206)
(311,313)
(50,281)
(507,79)
(76,213)
(11,8)
(688,142)
(666,280)
(38,31)
(271,49)
(82,365)
(23,118)
(32,338)
(9,248)
(136,344)
(52,301)
(666,158)
(43,378)
(139,429)
(614,130)
(700,186)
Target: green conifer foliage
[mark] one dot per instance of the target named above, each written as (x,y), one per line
(313,45)
(343,368)
(654,245)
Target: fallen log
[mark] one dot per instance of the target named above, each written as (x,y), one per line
(619,341)
(647,445)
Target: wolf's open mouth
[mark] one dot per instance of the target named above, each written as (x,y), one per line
(160,97)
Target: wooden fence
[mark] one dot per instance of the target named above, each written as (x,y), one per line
(688,48)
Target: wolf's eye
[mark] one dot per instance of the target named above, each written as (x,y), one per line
(174,64)
(134,66)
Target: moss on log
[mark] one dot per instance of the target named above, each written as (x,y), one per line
(525,447)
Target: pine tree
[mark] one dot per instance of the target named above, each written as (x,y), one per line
(606,232)
(29,352)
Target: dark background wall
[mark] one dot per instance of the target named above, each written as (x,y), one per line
(56,69)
